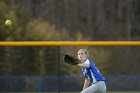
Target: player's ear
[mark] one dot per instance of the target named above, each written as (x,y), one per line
(85,52)
(87,55)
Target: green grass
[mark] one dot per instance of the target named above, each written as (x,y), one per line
(109,92)
(125,92)
(75,92)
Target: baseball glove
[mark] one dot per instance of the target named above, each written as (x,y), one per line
(70,59)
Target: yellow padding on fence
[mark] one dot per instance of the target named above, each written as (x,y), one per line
(70,43)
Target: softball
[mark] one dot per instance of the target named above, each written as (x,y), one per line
(8,22)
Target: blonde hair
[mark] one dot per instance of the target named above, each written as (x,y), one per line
(84,51)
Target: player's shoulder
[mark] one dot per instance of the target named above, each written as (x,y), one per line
(87,61)
(91,61)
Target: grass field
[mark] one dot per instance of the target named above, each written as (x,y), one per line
(75,92)
(108,92)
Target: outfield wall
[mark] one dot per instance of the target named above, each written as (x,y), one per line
(63,83)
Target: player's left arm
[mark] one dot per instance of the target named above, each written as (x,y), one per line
(85,65)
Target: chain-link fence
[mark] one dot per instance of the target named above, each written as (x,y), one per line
(64,84)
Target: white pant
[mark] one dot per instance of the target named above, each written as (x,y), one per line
(99,87)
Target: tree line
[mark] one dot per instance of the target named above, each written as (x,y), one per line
(68,20)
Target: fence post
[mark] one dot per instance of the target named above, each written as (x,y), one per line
(39,84)
(58,66)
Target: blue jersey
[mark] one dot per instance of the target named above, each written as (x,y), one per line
(92,73)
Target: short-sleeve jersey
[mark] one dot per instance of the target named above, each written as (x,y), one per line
(92,73)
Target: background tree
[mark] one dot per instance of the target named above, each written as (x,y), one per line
(67,20)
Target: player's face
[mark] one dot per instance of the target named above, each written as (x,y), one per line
(82,56)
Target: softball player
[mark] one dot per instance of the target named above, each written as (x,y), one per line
(94,81)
